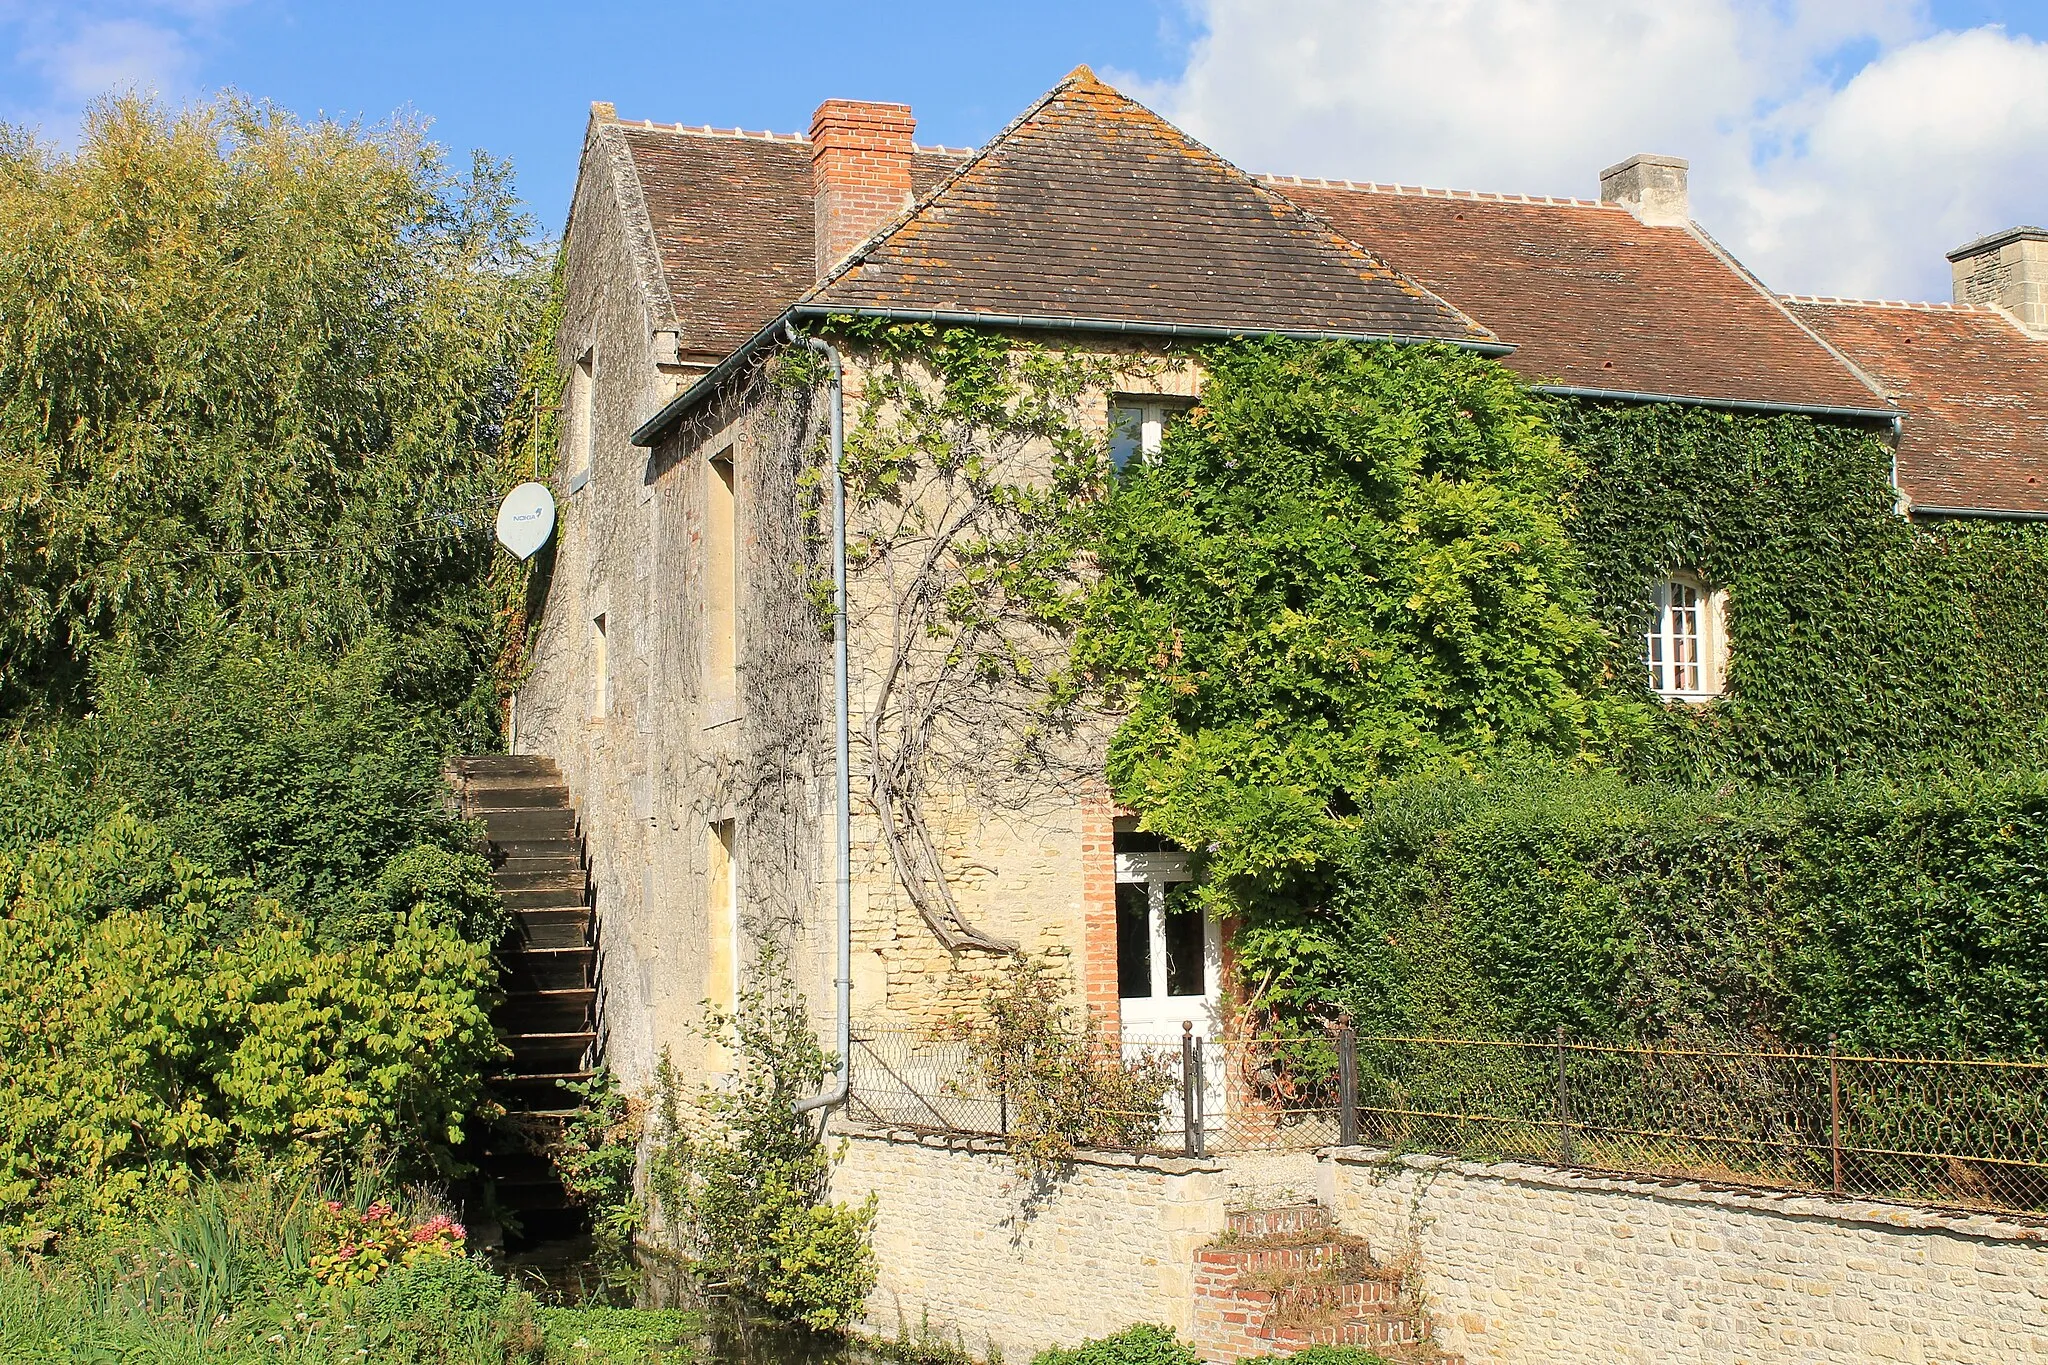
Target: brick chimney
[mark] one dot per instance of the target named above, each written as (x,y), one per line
(2009,269)
(860,173)
(1650,187)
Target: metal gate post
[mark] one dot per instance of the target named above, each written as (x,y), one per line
(1564,1112)
(1347,1087)
(1835,1109)
(1190,1133)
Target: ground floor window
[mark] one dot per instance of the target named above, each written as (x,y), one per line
(1168,953)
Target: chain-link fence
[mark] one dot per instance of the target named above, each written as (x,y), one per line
(1964,1133)
(1959,1133)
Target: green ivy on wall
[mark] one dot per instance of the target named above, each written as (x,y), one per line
(1860,641)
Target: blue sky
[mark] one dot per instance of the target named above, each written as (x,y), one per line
(517,78)
(1838,145)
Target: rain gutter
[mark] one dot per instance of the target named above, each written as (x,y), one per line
(1981,513)
(835,1090)
(1738,404)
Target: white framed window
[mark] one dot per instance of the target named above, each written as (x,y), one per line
(1686,648)
(1137,425)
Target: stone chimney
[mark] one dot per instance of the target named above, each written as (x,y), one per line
(2009,269)
(1650,187)
(860,173)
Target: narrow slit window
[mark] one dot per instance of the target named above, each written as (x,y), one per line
(721,577)
(721,919)
(600,669)
(582,417)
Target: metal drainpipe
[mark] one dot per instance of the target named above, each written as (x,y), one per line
(835,1090)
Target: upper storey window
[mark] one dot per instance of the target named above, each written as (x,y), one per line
(1137,425)
(1687,649)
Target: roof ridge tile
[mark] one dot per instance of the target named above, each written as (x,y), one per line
(1837,300)
(1436,192)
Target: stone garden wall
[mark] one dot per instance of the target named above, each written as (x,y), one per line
(1514,1265)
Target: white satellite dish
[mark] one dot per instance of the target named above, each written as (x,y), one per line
(526,519)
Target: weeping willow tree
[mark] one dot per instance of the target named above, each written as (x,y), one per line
(253,373)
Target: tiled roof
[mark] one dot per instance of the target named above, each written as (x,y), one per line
(1593,299)
(1092,207)
(731,215)
(1974,388)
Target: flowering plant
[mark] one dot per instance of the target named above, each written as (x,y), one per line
(366,1243)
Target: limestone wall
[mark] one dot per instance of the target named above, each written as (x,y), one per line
(1521,1265)
(1513,1265)
(967,1242)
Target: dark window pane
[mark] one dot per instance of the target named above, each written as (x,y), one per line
(1184,967)
(1126,432)
(1133,942)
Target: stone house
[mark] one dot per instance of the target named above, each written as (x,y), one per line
(681,678)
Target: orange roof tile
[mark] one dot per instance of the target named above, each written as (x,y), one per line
(1091,207)
(1593,299)
(1974,388)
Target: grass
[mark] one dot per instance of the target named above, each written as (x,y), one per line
(228,1277)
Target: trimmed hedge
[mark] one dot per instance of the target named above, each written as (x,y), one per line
(1910,916)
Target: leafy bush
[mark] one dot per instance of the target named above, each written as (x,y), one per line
(741,1176)
(1350,561)
(1142,1344)
(158,1021)
(1064,1088)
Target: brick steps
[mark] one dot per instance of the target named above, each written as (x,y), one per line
(547,963)
(1285,1279)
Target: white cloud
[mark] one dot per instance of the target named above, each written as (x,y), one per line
(1838,146)
(66,55)
(113,54)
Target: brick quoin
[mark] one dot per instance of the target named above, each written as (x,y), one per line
(1098,917)
(860,173)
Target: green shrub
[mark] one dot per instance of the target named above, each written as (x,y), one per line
(142,1043)
(1141,1344)
(741,1175)
(1064,1089)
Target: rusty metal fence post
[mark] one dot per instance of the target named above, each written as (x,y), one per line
(1564,1110)
(1347,1086)
(1190,1085)
(1835,1109)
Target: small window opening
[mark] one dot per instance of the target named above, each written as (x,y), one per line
(721,578)
(600,669)
(721,919)
(582,431)
(1137,428)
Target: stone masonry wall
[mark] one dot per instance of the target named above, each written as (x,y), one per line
(1513,1264)
(1525,1265)
(974,1247)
